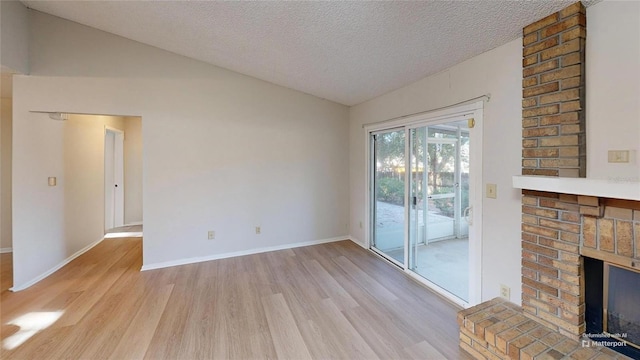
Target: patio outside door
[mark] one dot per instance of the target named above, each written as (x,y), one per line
(425,207)
(388,180)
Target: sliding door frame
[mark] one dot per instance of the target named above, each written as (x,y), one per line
(470,111)
(372,214)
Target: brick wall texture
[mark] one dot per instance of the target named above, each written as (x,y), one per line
(553,94)
(557,231)
(552,273)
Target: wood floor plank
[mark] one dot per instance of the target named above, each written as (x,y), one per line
(88,298)
(366,281)
(6,271)
(262,346)
(325,301)
(136,338)
(168,338)
(383,337)
(40,346)
(423,350)
(329,285)
(352,344)
(36,297)
(322,344)
(109,321)
(284,331)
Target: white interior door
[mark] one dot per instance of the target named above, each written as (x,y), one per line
(118,174)
(113,179)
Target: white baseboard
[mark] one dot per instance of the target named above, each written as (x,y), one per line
(133,223)
(238,253)
(6,250)
(357,242)
(55,268)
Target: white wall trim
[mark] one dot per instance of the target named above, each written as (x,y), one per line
(55,268)
(6,250)
(239,253)
(133,223)
(358,242)
(617,188)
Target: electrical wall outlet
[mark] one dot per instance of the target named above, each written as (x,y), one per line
(505,292)
(211,235)
(258,230)
(492,191)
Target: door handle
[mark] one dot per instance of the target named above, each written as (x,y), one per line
(468,211)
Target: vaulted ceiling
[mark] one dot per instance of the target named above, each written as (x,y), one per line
(344,51)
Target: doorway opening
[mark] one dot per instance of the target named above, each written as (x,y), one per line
(424,175)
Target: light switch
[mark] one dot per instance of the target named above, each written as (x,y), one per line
(618,156)
(52,181)
(492,191)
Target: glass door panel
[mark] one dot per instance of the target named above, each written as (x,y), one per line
(438,233)
(389,194)
(441,189)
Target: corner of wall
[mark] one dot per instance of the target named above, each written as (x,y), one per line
(14,32)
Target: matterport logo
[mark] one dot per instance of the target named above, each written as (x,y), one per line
(608,340)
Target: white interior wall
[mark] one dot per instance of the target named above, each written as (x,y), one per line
(5,174)
(613,88)
(39,242)
(133,170)
(222,151)
(497,72)
(83,158)
(14,36)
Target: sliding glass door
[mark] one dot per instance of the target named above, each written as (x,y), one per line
(389,178)
(420,208)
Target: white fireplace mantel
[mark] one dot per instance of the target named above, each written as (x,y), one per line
(614,188)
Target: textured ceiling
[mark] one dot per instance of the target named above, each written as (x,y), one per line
(347,52)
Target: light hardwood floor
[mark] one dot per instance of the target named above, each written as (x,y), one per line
(330,301)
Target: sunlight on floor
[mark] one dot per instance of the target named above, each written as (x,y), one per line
(29,325)
(126,231)
(117,235)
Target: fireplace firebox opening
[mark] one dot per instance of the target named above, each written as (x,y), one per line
(612,314)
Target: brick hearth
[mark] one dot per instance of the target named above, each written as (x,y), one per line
(497,329)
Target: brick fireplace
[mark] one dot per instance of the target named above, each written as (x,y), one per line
(558,231)
(561,225)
